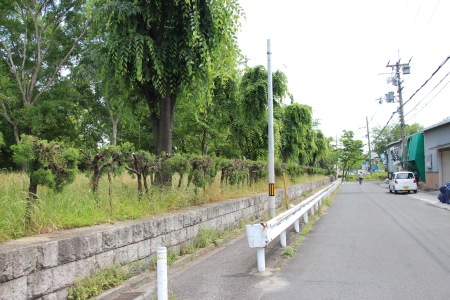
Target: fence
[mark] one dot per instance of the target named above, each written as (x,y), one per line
(260,235)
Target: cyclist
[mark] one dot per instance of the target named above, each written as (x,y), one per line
(361,176)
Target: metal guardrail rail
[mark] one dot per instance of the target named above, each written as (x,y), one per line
(260,235)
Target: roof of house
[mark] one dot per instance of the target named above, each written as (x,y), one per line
(445,122)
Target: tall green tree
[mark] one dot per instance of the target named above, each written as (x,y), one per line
(251,121)
(322,150)
(297,133)
(164,46)
(38,41)
(351,155)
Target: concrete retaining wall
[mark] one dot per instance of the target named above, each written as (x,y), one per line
(43,267)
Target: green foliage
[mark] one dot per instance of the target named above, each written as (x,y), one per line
(298,142)
(163,48)
(351,155)
(288,252)
(49,163)
(206,237)
(204,171)
(39,40)
(389,134)
(95,283)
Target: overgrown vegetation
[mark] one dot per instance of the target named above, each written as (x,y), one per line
(77,206)
(95,283)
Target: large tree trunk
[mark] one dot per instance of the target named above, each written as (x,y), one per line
(166,121)
(161,113)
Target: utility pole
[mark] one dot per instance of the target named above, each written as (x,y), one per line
(402,119)
(368,143)
(271,158)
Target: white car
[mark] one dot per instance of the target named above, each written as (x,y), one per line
(403,182)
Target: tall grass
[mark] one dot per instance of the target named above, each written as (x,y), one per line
(77,206)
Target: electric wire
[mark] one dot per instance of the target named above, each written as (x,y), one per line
(432,75)
(418,11)
(430,99)
(432,14)
(430,93)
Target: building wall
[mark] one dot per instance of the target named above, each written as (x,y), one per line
(432,182)
(436,140)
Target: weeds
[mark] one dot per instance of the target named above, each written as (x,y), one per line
(76,205)
(94,284)
(288,252)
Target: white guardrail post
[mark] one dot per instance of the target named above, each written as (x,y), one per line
(260,235)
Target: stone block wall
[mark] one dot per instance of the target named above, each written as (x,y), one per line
(44,266)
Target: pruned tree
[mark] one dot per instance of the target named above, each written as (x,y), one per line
(139,164)
(49,164)
(99,162)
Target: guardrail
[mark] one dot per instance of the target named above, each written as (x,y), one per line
(260,235)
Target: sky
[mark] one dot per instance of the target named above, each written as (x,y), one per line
(335,53)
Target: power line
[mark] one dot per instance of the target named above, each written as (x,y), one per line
(417,15)
(431,17)
(440,66)
(430,92)
(382,130)
(433,96)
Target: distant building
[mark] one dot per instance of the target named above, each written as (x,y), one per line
(428,155)
(437,154)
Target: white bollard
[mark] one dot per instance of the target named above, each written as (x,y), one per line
(161,273)
(261,259)
(283,239)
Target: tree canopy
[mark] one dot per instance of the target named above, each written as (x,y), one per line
(162,75)
(38,41)
(351,155)
(162,47)
(391,133)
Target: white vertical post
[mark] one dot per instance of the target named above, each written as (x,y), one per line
(305,217)
(271,157)
(161,273)
(261,259)
(283,239)
(297,225)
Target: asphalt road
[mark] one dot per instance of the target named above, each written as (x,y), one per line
(369,244)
